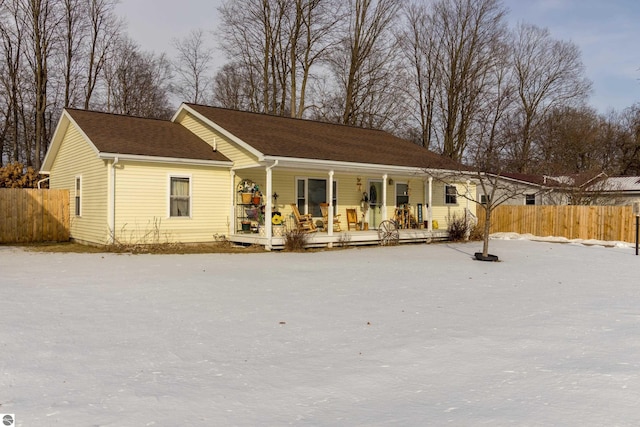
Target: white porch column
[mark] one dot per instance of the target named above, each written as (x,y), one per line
(384,196)
(330,208)
(232,214)
(268,209)
(430,209)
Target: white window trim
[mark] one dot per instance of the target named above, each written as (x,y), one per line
(395,189)
(306,190)
(445,195)
(77,196)
(184,176)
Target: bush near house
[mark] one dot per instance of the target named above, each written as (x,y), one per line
(15,175)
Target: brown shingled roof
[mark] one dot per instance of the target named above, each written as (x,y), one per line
(112,133)
(307,139)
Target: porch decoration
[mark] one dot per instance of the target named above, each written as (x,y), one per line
(276,218)
(249,192)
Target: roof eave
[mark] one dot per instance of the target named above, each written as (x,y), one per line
(296,162)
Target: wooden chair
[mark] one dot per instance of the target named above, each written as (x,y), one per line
(352,218)
(324,207)
(303,222)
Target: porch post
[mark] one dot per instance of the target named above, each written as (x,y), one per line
(232,214)
(330,212)
(268,208)
(430,209)
(384,196)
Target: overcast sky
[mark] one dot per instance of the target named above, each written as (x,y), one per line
(607,33)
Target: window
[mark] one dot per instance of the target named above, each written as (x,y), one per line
(450,195)
(180,196)
(310,192)
(530,199)
(402,194)
(78,196)
(484,198)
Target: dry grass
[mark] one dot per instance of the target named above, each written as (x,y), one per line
(164,248)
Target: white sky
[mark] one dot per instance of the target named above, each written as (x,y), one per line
(607,33)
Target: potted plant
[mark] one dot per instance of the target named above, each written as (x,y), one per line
(247,189)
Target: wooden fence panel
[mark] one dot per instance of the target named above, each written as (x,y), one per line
(30,215)
(608,223)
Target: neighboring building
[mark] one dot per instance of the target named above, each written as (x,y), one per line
(526,189)
(137,180)
(615,190)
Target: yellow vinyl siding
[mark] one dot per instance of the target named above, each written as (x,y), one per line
(443,212)
(142,203)
(77,158)
(239,157)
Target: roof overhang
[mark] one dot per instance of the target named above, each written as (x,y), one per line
(345,167)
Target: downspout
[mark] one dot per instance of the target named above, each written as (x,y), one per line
(112,202)
(42,180)
(269,207)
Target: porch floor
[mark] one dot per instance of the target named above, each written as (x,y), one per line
(343,238)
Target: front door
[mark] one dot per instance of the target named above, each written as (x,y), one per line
(375,203)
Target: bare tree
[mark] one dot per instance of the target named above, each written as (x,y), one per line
(232,88)
(104,30)
(468,32)
(550,74)
(253,39)
(137,82)
(275,45)
(310,31)
(361,63)
(11,33)
(192,67)
(42,21)
(422,55)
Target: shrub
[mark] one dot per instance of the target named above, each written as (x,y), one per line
(458,228)
(15,175)
(295,240)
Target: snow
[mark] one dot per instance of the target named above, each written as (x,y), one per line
(407,335)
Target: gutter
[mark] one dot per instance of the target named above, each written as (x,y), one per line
(156,159)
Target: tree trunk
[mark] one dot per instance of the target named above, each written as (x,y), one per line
(487,228)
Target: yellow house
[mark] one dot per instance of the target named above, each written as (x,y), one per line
(137,180)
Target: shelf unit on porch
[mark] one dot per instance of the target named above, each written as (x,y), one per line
(248,213)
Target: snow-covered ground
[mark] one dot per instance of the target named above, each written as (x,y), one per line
(412,335)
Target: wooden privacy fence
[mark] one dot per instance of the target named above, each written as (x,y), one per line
(609,223)
(28,215)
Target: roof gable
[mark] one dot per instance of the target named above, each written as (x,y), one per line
(306,139)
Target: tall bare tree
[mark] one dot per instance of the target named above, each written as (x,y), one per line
(361,63)
(42,20)
(422,54)
(468,32)
(138,82)
(550,74)
(192,67)
(104,29)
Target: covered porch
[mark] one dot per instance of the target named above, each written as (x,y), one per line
(376,192)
